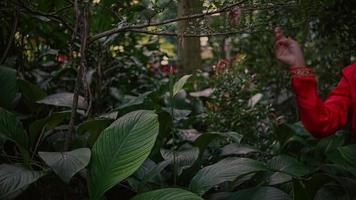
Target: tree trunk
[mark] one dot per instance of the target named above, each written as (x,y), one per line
(188,48)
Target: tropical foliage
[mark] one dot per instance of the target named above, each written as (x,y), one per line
(94,103)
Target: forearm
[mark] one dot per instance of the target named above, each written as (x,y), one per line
(321,118)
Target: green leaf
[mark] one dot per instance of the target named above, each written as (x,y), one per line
(283,133)
(151,174)
(329,144)
(30,91)
(184,158)
(8,86)
(288,165)
(345,155)
(260,193)
(167,194)
(14,178)
(279,178)
(227,169)
(121,149)
(180,84)
(178,114)
(94,127)
(204,139)
(11,129)
(48,123)
(66,164)
(236,149)
(135,101)
(64,99)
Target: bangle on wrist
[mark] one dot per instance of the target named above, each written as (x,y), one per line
(299,71)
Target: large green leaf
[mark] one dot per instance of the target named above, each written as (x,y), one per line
(225,170)
(260,193)
(167,194)
(14,178)
(288,165)
(180,83)
(11,129)
(183,158)
(121,149)
(66,164)
(8,86)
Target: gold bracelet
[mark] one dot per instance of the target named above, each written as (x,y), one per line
(301,71)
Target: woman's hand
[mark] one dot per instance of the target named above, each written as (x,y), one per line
(287,50)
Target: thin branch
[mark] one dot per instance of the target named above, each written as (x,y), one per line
(188,17)
(11,39)
(51,16)
(174,34)
(82,18)
(61,10)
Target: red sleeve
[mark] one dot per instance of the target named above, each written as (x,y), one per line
(320,117)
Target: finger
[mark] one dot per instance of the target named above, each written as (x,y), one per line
(283,42)
(280,43)
(278,33)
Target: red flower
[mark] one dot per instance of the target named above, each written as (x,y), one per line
(167,68)
(62,58)
(222,64)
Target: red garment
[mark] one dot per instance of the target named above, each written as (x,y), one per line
(323,117)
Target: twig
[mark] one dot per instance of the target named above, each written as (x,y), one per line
(12,36)
(83,43)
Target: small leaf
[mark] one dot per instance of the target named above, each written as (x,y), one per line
(254,100)
(66,164)
(121,149)
(64,99)
(189,134)
(180,84)
(260,193)
(8,86)
(14,178)
(227,169)
(167,194)
(204,93)
(178,114)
